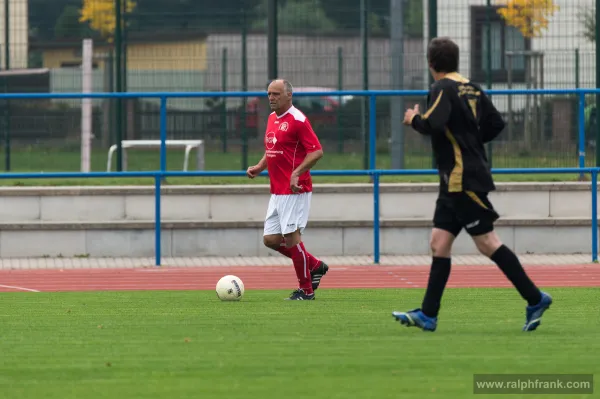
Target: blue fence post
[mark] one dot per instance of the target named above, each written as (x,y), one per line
(595,215)
(581,131)
(163,134)
(373,167)
(157,218)
(376,251)
(372,132)
(157,179)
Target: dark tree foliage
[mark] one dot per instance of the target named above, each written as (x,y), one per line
(172,15)
(44,14)
(59,19)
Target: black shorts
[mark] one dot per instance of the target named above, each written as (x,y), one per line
(469,210)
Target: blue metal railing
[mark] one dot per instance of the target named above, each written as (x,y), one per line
(372,171)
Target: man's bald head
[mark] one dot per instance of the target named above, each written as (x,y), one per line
(283,83)
(280,95)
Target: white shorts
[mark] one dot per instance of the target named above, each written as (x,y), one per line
(287,213)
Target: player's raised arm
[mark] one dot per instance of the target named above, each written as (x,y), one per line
(435,119)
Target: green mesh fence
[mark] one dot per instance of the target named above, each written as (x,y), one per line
(551,50)
(322,45)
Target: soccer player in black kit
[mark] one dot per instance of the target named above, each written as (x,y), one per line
(460,119)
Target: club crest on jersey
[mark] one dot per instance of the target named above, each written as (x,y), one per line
(270,140)
(283,127)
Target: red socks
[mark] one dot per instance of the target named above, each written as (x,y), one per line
(312,261)
(283,250)
(303,261)
(302,267)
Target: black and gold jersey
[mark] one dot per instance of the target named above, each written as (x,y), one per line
(460,119)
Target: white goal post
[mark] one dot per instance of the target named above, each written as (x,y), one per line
(86,104)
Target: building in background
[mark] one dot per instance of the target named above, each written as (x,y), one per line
(562,56)
(161,62)
(18,38)
(197,46)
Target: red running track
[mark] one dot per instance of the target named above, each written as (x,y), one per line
(278,277)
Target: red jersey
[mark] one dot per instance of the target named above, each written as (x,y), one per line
(288,139)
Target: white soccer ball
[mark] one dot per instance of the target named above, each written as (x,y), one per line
(230,288)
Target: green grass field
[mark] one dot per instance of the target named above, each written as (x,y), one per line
(38,160)
(187,344)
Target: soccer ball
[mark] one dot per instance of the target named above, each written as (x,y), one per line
(230,288)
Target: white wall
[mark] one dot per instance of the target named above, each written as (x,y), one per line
(18,33)
(310,61)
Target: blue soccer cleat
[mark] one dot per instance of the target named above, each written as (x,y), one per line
(416,318)
(534,313)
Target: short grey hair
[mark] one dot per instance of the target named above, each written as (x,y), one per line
(286,85)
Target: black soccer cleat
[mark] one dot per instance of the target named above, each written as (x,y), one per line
(300,295)
(317,274)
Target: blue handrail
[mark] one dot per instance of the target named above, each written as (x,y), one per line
(334,93)
(372,171)
(375,173)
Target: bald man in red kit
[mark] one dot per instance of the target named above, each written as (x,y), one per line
(291,150)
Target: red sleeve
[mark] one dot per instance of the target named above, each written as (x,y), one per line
(308,137)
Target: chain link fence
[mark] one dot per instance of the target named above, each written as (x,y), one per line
(532,44)
(322,45)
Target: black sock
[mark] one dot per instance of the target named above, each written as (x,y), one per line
(508,262)
(438,277)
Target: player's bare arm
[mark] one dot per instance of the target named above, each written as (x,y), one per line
(257,169)
(410,114)
(435,119)
(309,162)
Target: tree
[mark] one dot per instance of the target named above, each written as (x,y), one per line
(529,16)
(100,14)
(43,16)
(296,16)
(68,25)
(413,18)
(587,18)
